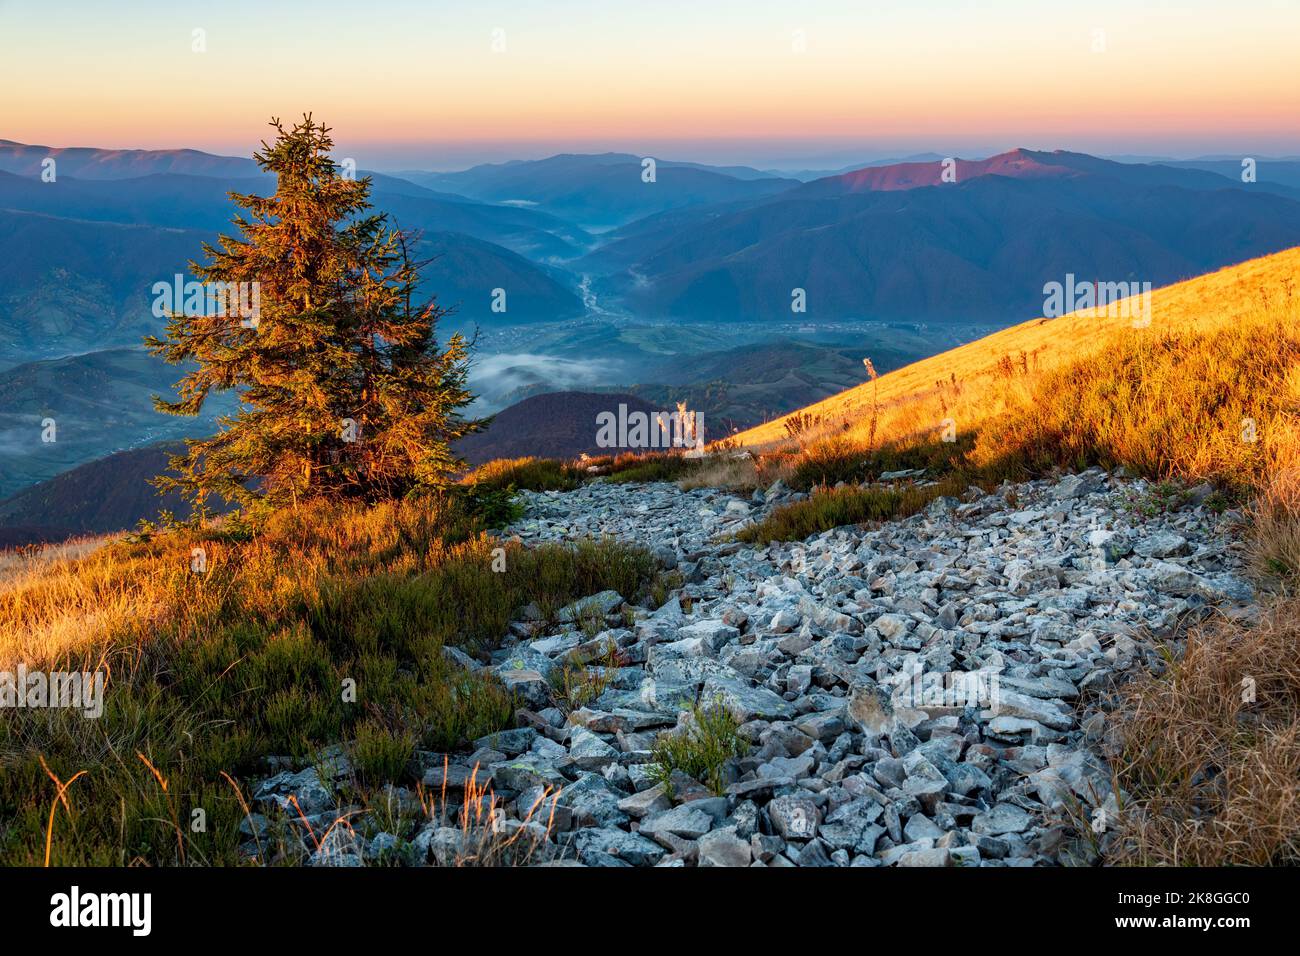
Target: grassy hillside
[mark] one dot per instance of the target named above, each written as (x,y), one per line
(961,382)
(217,677)
(1206,392)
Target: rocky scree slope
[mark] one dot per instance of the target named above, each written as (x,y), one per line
(1017,610)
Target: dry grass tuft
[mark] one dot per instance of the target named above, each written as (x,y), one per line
(737,472)
(1208,753)
(1275,519)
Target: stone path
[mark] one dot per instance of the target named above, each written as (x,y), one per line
(925,693)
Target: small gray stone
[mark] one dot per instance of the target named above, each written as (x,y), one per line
(1162,544)
(596,605)
(603,847)
(589,751)
(724,848)
(510,742)
(931,857)
(683,821)
(745,702)
(645,803)
(1003,818)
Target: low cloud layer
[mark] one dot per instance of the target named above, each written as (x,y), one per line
(494,377)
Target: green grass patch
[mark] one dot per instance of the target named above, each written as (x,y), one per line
(326,628)
(702,750)
(661,466)
(525,474)
(836,507)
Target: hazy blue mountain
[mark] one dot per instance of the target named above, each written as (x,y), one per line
(466,272)
(99,497)
(70,286)
(1271,174)
(202,202)
(1017,164)
(88,162)
(604,190)
(806,175)
(885,243)
(100,402)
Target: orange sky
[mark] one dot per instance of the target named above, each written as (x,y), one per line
(1175,77)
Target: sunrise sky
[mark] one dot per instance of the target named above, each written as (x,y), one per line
(419,85)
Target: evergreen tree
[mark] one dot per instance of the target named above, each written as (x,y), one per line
(345,392)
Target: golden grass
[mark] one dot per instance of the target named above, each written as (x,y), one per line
(1209,753)
(1201,405)
(66,600)
(729,470)
(1208,391)
(536,474)
(1275,539)
(208,673)
(980,381)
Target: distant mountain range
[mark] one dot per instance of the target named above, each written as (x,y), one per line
(87,162)
(69,286)
(593,237)
(1032,164)
(896,242)
(605,190)
(78,257)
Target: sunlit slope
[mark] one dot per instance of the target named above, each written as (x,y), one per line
(969,383)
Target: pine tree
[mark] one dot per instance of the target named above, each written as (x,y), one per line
(344,390)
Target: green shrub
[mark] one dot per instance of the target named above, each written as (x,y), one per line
(380,755)
(664,466)
(702,749)
(530,474)
(835,507)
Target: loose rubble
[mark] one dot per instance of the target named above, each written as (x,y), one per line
(929,692)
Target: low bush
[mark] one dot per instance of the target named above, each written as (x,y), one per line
(701,749)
